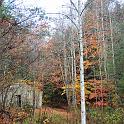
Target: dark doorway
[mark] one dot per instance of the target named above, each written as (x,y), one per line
(18,100)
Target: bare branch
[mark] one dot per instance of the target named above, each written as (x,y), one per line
(74,5)
(66,17)
(86,7)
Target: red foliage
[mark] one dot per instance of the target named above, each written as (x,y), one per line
(101,103)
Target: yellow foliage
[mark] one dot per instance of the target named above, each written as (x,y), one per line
(87,64)
(88,88)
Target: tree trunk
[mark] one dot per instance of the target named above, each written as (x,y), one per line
(82,84)
(73,64)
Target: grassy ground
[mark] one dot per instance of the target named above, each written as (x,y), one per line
(62,116)
(52,116)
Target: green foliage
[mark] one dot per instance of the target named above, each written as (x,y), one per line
(52,96)
(118,24)
(121,88)
(119,40)
(114,117)
(57,119)
(108,115)
(119,57)
(48,91)
(4,14)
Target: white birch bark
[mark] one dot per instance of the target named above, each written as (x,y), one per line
(112,41)
(82,84)
(73,64)
(65,67)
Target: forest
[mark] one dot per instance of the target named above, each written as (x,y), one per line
(69,72)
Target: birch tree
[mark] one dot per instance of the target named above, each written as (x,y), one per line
(82,85)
